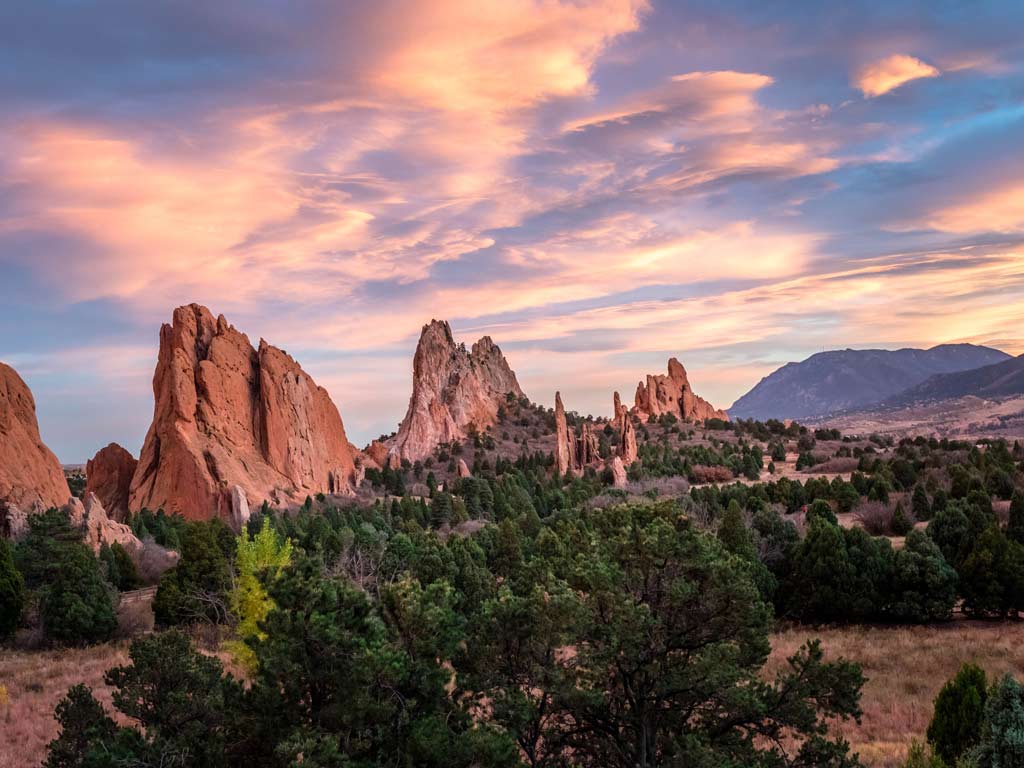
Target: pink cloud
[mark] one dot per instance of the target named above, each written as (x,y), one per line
(890,73)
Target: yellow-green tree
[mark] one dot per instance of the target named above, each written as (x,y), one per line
(257,559)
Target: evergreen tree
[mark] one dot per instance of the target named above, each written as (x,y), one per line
(78,606)
(1001,744)
(1015,527)
(923,583)
(734,534)
(196,588)
(919,504)
(959,713)
(12,591)
(992,575)
(901,525)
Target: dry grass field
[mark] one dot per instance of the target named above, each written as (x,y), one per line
(906,667)
(35,681)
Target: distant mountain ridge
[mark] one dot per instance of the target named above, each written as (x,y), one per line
(1001,379)
(849,379)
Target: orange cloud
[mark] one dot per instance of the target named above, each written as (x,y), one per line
(890,73)
(991,210)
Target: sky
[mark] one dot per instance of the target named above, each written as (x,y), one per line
(598,186)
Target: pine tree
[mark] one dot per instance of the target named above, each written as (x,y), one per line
(959,714)
(1015,527)
(12,591)
(919,504)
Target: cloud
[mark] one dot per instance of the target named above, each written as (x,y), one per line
(597,185)
(890,73)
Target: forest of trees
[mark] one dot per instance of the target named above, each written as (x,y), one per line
(576,625)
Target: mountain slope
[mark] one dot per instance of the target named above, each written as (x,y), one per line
(1002,379)
(853,378)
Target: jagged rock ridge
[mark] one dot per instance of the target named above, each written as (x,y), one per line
(234,426)
(673,394)
(453,389)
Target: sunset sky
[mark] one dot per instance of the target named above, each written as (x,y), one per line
(596,185)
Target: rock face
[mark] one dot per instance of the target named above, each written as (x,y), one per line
(452,390)
(673,394)
(30,475)
(99,528)
(573,451)
(619,477)
(564,453)
(623,422)
(228,415)
(108,475)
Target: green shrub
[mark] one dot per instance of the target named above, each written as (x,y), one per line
(959,714)
(1002,735)
(77,606)
(12,592)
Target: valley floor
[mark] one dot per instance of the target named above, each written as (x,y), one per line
(905,667)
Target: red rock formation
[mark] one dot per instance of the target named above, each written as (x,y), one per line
(30,475)
(564,451)
(377,452)
(619,477)
(463,469)
(108,475)
(673,394)
(573,452)
(623,423)
(452,390)
(229,416)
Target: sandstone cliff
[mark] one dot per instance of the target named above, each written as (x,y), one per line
(108,475)
(234,426)
(30,475)
(452,390)
(673,394)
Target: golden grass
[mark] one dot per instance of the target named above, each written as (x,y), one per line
(35,682)
(906,667)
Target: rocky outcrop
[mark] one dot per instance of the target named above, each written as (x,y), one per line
(618,471)
(230,416)
(463,469)
(564,452)
(108,475)
(98,528)
(623,424)
(673,394)
(31,478)
(573,451)
(452,390)
(377,452)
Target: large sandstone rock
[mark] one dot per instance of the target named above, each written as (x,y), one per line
(30,475)
(228,415)
(108,475)
(673,394)
(452,390)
